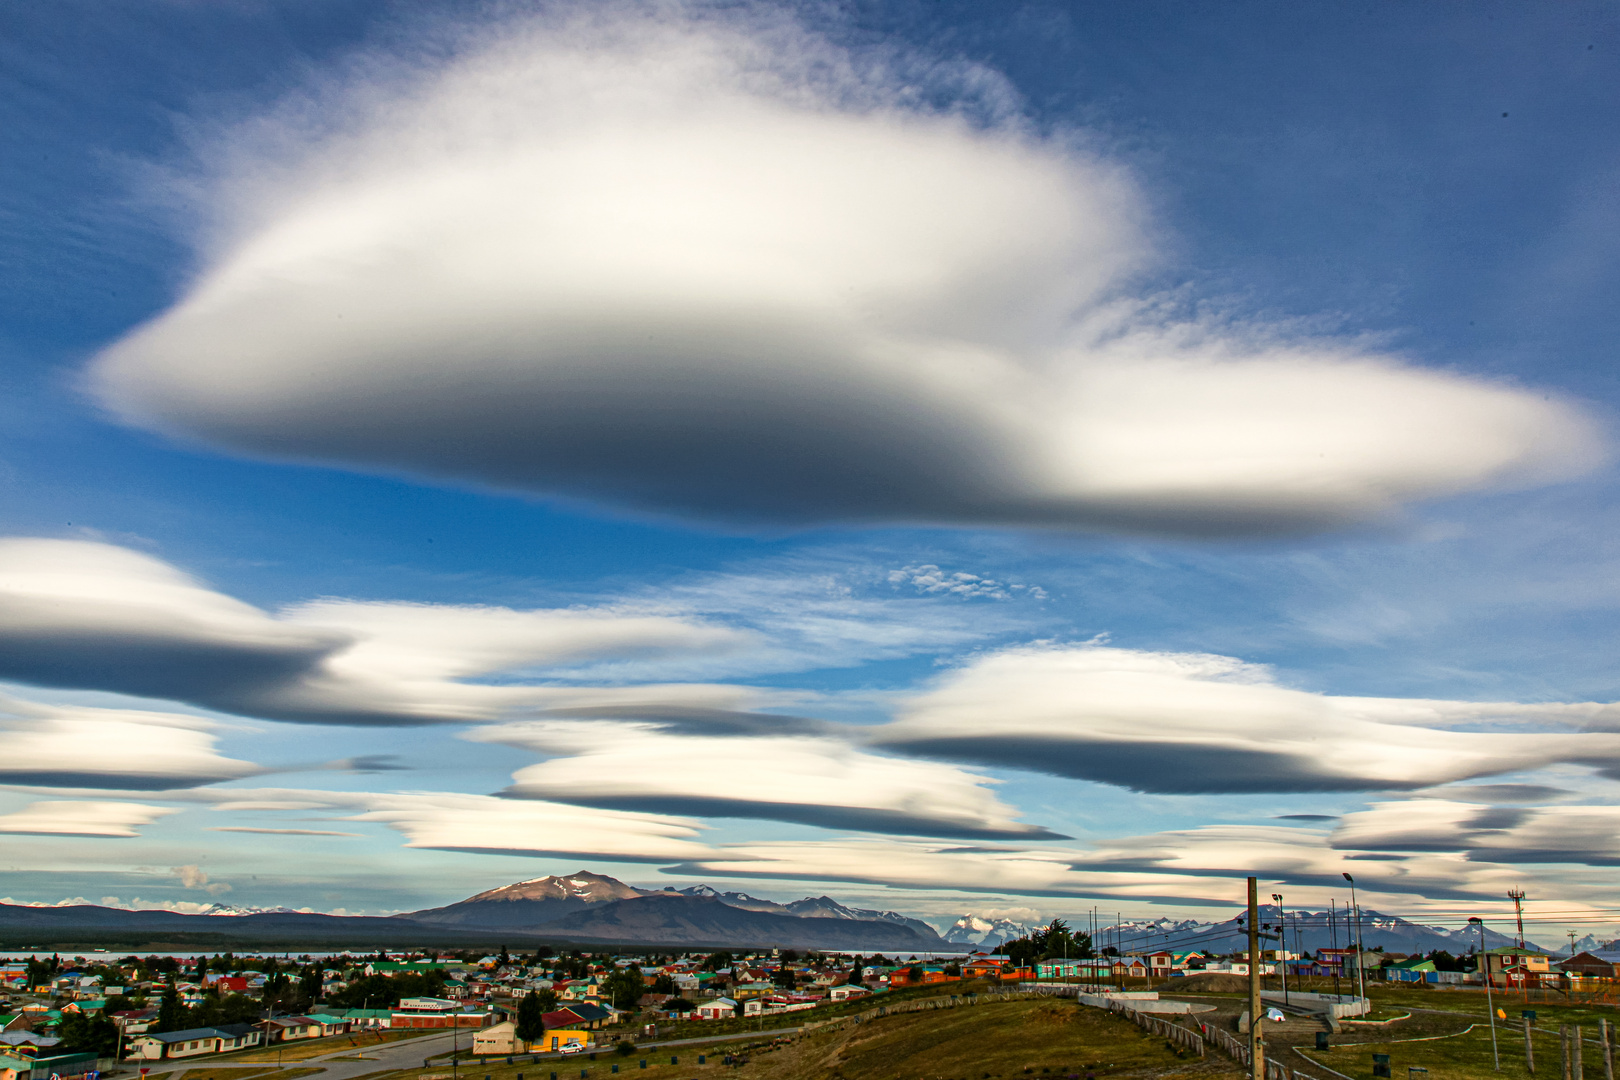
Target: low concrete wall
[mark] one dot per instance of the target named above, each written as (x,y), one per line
(1336,1006)
(1146,1002)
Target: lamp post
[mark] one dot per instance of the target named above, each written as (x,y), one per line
(1282,945)
(1361,982)
(1490,1009)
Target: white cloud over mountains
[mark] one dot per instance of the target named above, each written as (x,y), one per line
(699,267)
(1203,865)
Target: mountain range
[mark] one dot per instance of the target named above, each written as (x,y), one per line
(587,907)
(1307,931)
(582,907)
(592,907)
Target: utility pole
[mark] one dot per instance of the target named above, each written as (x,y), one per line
(1333,936)
(1517,896)
(1282,944)
(1572,944)
(1257,1045)
(1361,981)
(1490,1009)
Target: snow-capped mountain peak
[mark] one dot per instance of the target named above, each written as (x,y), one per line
(985,931)
(585,886)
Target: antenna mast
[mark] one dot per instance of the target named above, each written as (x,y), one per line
(1517,896)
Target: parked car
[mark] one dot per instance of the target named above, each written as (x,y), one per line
(573,1048)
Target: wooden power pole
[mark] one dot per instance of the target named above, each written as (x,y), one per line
(1257,1045)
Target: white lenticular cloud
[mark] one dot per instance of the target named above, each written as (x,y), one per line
(695,267)
(118,749)
(1506,834)
(1203,865)
(93,616)
(811,779)
(99,819)
(1190,722)
(482,823)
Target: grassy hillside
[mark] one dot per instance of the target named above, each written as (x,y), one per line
(1041,1038)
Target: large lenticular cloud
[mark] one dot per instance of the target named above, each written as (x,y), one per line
(677,267)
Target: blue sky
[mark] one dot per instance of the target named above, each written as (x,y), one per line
(951,456)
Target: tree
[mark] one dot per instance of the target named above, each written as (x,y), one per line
(81,1034)
(1444,961)
(531,1026)
(311,984)
(505,957)
(716,961)
(382,991)
(171,1014)
(547,998)
(1022,951)
(624,987)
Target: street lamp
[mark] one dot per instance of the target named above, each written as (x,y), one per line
(1361,983)
(1282,945)
(1490,1009)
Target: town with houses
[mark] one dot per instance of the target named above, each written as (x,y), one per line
(81,1017)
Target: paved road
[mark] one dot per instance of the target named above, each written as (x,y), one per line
(410,1053)
(379,1057)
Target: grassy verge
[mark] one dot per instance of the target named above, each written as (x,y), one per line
(693,1029)
(212,1072)
(303,1050)
(1458,1056)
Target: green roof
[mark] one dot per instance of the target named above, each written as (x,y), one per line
(1414,964)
